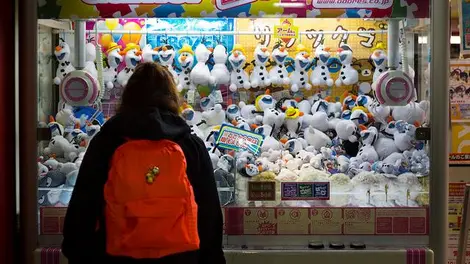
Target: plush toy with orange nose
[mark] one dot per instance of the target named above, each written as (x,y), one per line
(299,77)
(321,74)
(62,53)
(132,56)
(201,75)
(278,73)
(186,61)
(260,77)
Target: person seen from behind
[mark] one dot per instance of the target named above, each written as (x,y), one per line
(145,192)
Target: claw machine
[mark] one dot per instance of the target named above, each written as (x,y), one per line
(323,120)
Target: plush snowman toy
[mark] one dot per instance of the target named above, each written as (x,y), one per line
(62,53)
(299,77)
(132,56)
(259,77)
(238,77)
(148,53)
(220,71)
(348,75)
(278,74)
(186,61)
(200,74)
(167,57)
(379,58)
(321,74)
(90,60)
(111,72)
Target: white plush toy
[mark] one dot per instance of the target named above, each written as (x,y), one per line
(319,117)
(238,77)
(90,60)
(264,101)
(269,143)
(148,53)
(412,113)
(61,148)
(404,137)
(321,75)
(348,75)
(367,152)
(214,116)
(200,75)
(56,128)
(248,111)
(347,130)
(62,53)
(167,58)
(385,145)
(299,77)
(111,72)
(132,56)
(379,58)
(278,73)
(305,107)
(186,61)
(232,111)
(259,77)
(316,138)
(220,71)
(272,118)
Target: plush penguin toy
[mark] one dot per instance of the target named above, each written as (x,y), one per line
(132,56)
(167,57)
(148,53)
(200,74)
(278,74)
(299,77)
(321,75)
(379,58)
(220,71)
(238,76)
(186,61)
(62,53)
(259,77)
(348,75)
(114,60)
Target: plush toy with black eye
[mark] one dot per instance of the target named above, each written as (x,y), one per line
(365,68)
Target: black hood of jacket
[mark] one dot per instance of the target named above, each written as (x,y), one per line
(151,124)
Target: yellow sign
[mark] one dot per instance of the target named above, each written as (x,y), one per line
(286,31)
(460,138)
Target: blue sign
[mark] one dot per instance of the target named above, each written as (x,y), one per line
(305,191)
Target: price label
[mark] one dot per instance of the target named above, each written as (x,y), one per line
(191,95)
(305,191)
(261,191)
(218,97)
(243,96)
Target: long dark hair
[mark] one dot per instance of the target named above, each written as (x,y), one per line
(150,86)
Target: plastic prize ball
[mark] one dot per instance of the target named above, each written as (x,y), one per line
(394,88)
(129,37)
(79,88)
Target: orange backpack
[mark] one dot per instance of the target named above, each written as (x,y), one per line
(150,207)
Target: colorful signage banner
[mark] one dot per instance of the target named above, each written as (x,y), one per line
(305,191)
(464,15)
(74,9)
(237,139)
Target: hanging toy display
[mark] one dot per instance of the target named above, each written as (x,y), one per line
(201,74)
(379,58)
(62,53)
(299,77)
(148,53)
(110,73)
(167,59)
(259,77)
(186,61)
(238,76)
(321,74)
(220,71)
(90,60)
(278,73)
(348,75)
(132,56)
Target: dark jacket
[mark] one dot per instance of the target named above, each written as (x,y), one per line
(84,242)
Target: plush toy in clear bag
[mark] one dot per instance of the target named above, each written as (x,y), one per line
(132,56)
(186,62)
(201,75)
(219,70)
(259,76)
(62,53)
(238,77)
(278,73)
(348,75)
(321,74)
(300,77)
